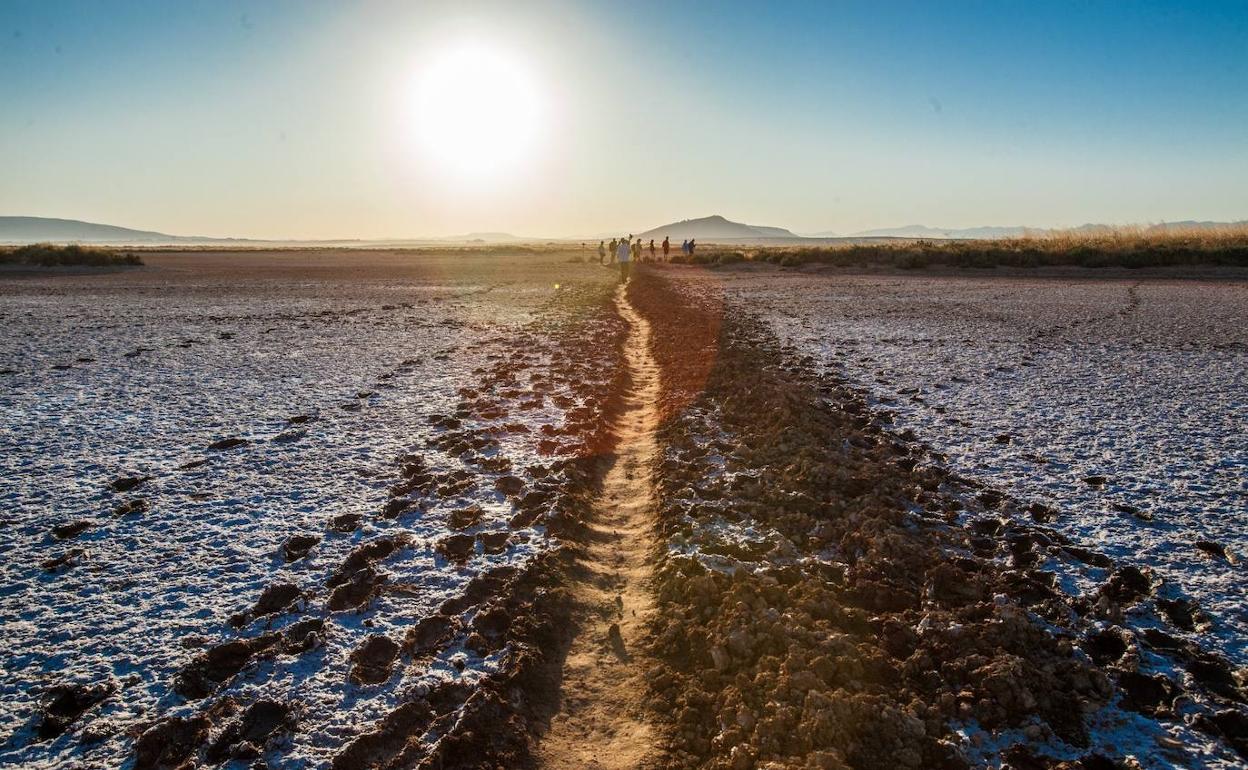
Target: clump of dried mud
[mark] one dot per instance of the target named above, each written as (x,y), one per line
(822,602)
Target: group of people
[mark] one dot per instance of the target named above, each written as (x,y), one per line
(625,251)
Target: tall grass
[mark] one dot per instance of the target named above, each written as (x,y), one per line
(50,255)
(1129,247)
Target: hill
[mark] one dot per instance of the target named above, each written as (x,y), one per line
(20,230)
(39,229)
(985,233)
(714,229)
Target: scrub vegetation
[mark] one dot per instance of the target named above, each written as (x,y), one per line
(51,255)
(1124,247)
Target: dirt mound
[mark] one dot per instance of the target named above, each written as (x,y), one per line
(170,742)
(71,529)
(202,675)
(276,598)
(126,483)
(456,548)
(131,507)
(429,634)
(371,661)
(361,587)
(246,737)
(493,724)
(365,555)
(297,546)
(64,704)
(346,522)
(463,518)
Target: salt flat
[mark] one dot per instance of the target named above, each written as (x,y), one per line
(1046,454)
(1034,384)
(323,369)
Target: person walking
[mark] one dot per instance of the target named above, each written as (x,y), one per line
(611,251)
(637,250)
(623,256)
(684,248)
(651,249)
(667,247)
(691,245)
(602,253)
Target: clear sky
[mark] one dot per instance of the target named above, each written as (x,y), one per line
(313,119)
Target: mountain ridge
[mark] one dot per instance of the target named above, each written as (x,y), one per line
(37,229)
(1018,231)
(709,229)
(714,227)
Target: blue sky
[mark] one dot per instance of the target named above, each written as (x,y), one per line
(296,119)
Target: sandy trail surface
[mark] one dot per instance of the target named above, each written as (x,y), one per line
(601,722)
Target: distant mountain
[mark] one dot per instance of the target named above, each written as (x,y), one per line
(922,231)
(714,228)
(1191,224)
(45,229)
(487,237)
(39,229)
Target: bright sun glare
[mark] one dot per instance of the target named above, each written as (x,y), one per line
(478,111)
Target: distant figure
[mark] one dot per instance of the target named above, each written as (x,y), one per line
(637,250)
(622,256)
(691,245)
(613,245)
(684,247)
(667,247)
(602,253)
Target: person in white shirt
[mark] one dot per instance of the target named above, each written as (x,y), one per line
(623,255)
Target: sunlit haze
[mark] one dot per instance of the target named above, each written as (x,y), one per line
(404,120)
(478,113)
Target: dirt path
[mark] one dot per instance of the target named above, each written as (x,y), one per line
(601,722)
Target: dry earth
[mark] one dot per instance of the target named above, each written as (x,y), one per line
(380,510)
(834,595)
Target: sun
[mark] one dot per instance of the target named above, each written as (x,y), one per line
(478,111)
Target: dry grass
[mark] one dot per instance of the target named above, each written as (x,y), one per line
(380,247)
(1131,247)
(50,255)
